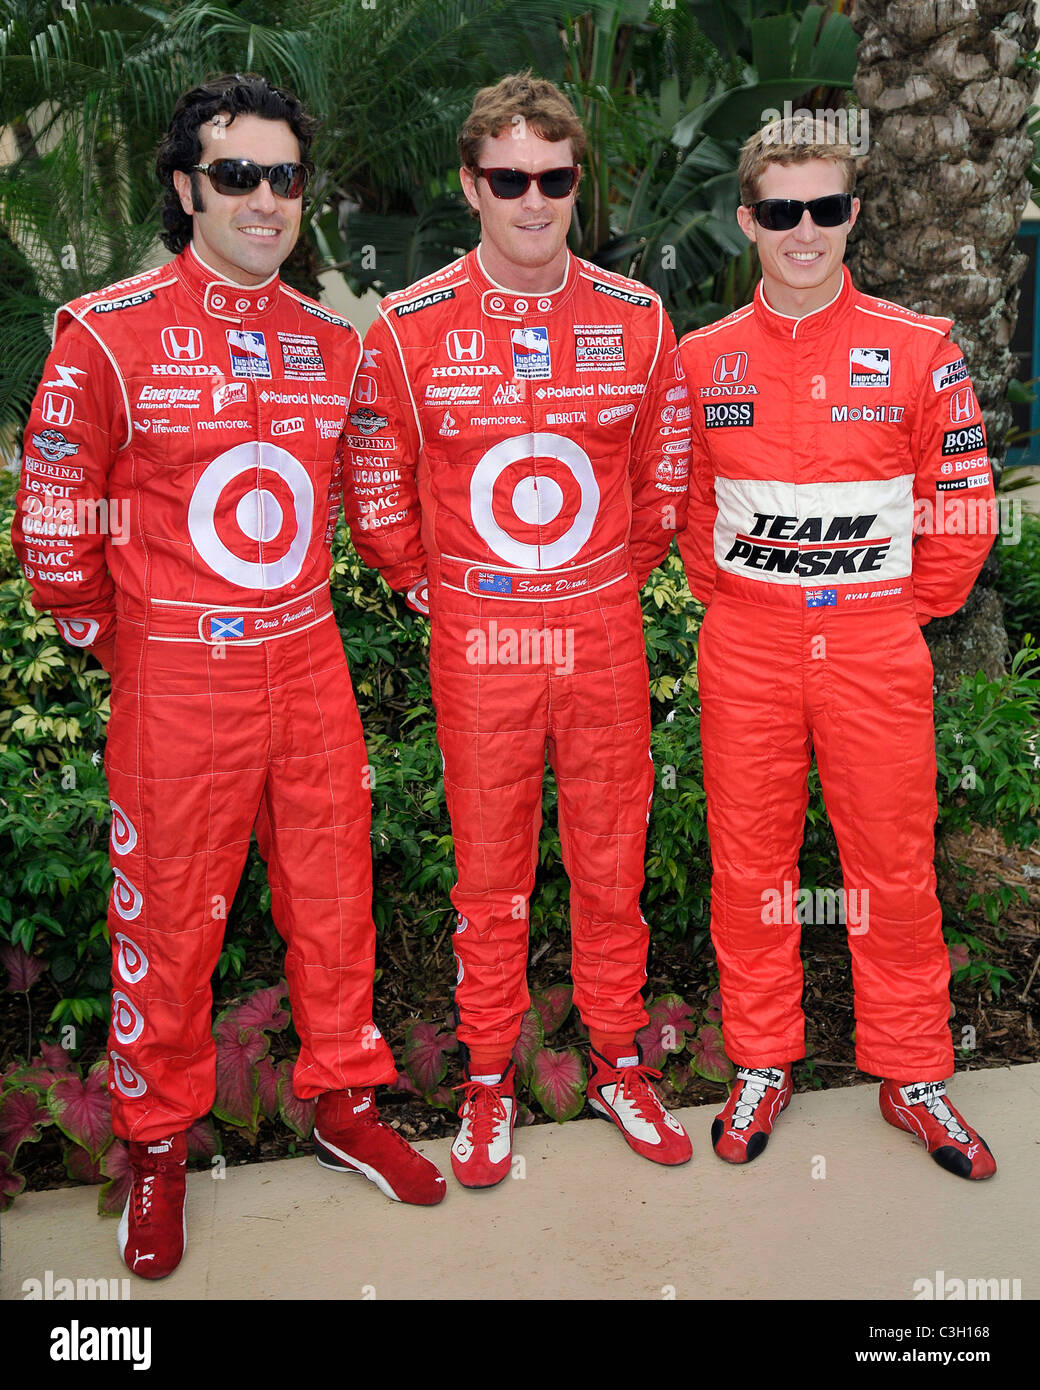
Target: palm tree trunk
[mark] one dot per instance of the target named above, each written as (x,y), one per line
(943,189)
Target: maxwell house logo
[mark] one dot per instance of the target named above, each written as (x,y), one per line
(248,353)
(531,360)
(870,367)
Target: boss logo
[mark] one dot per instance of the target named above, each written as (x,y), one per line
(729,416)
(962,441)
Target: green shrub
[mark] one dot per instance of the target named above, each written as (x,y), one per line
(1019,582)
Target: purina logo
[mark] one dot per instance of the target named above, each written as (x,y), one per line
(870,366)
(730,368)
(962,406)
(465,345)
(182,344)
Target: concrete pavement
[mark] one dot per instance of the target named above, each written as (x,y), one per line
(841,1206)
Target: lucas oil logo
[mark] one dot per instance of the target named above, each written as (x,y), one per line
(248,353)
(870,366)
(531,358)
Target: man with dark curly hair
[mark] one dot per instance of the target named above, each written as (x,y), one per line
(202,404)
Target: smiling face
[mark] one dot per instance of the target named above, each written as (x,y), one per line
(244,239)
(802,268)
(523,241)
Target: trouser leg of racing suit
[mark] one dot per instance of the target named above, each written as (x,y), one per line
(858,688)
(495,722)
(198,740)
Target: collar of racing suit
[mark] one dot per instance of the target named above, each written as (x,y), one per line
(500,303)
(220,298)
(813,325)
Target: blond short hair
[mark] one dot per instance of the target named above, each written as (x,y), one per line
(792,141)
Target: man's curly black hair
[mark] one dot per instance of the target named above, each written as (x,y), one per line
(233,94)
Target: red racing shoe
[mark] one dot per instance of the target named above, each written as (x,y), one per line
(741,1129)
(350,1137)
(153,1229)
(481,1153)
(923,1109)
(624,1094)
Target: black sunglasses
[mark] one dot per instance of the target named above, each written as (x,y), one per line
(784,214)
(233,177)
(514,183)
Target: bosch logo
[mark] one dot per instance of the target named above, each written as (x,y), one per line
(465,345)
(182,344)
(962,406)
(730,368)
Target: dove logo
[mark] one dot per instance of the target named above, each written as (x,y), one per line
(123,835)
(127,1020)
(126,899)
(124,1078)
(531,357)
(131,961)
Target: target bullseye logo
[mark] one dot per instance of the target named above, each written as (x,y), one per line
(131,961)
(78,632)
(126,899)
(123,835)
(127,1019)
(536,499)
(249,518)
(124,1076)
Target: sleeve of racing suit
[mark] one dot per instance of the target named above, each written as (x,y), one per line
(660,457)
(382,446)
(77,424)
(954,502)
(697,541)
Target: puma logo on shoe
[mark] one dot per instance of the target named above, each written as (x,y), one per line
(363,1106)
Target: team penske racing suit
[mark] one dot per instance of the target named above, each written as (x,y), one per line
(841,496)
(205,417)
(527,455)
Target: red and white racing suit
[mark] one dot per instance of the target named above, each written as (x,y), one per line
(179,494)
(841,495)
(527,454)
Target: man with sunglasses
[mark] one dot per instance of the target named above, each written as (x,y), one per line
(518,467)
(836,443)
(203,401)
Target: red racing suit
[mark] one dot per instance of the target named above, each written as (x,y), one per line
(179,493)
(841,495)
(528,456)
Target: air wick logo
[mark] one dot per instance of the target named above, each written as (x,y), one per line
(525,646)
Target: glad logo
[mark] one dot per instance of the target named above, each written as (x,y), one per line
(127,1020)
(126,899)
(291,426)
(124,1078)
(131,961)
(182,344)
(731,367)
(465,345)
(962,406)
